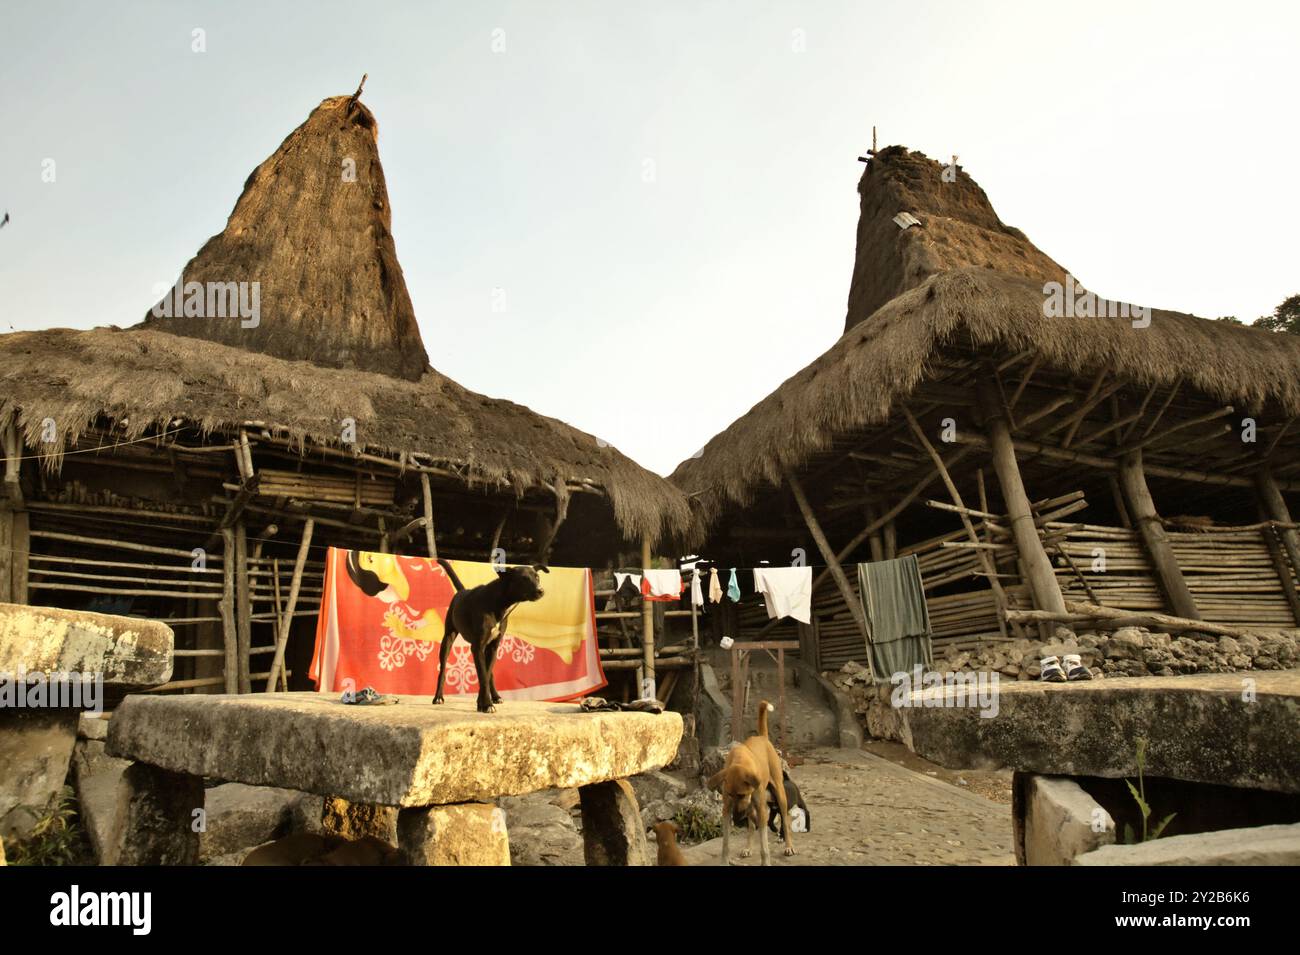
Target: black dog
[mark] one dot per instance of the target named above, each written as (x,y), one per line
(793,798)
(479,615)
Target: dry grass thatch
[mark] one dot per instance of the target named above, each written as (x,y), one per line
(337,339)
(959,229)
(876,365)
(313,229)
(962,277)
(145,379)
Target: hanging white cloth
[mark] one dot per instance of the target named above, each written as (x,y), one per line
(787,591)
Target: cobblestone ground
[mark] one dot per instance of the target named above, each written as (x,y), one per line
(869,811)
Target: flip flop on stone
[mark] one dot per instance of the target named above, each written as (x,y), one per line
(1074,668)
(1052,672)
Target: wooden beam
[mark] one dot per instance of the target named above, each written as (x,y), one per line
(1149,438)
(1142,511)
(1275,507)
(243,607)
(229,632)
(1038,568)
(1160,414)
(986,562)
(832,561)
(295,585)
(647,630)
(430,543)
(917,490)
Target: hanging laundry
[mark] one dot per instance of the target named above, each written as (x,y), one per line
(733,588)
(662,585)
(627,586)
(787,591)
(715,587)
(697,592)
(893,598)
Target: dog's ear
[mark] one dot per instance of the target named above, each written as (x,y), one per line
(715,781)
(542,567)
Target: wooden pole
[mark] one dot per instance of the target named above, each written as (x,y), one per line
(1274,505)
(243,607)
(832,562)
(1142,511)
(229,634)
(282,636)
(428,516)
(647,631)
(1038,568)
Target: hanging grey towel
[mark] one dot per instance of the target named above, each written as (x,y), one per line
(899,621)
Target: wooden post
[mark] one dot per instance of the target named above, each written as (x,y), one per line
(1038,568)
(1281,566)
(874,541)
(428,516)
(286,621)
(229,635)
(646,690)
(1274,505)
(832,562)
(1142,511)
(243,607)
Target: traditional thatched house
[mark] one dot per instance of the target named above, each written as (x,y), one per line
(979,412)
(278,400)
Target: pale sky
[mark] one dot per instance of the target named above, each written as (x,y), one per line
(665,192)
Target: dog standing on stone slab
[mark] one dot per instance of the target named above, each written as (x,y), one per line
(751,772)
(480,615)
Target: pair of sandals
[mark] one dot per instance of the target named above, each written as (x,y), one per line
(1068,668)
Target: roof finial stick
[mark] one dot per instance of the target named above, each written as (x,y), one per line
(360,86)
(873,135)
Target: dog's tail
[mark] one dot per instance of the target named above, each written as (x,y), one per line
(455,581)
(764,708)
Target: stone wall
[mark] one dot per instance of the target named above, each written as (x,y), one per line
(1127,652)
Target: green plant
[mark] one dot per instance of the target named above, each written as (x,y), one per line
(56,839)
(1140,797)
(695,825)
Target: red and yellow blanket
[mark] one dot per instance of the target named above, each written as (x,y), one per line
(389,639)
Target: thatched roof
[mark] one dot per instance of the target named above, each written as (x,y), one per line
(333,296)
(959,229)
(146,379)
(862,379)
(313,229)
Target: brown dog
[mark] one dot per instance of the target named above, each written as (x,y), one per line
(666,836)
(752,771)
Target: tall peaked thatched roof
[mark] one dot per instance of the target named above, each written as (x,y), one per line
(337,340)
(313,229)
(958,229)
(952,298)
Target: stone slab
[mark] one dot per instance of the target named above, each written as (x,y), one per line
(35,753)
(1063,822)
(409,754)
(1203,728)
(130,653)
(97,777)
(1264,845)
(465,834)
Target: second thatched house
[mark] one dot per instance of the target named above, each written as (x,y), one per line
(1049,456)
(278,400)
